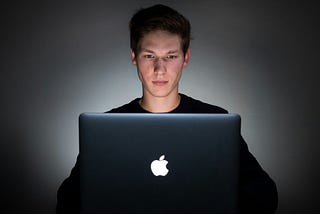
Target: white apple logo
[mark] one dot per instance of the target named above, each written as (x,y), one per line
(159,167)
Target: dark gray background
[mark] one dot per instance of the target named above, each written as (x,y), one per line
(60,58)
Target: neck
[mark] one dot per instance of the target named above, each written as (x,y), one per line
(160,104)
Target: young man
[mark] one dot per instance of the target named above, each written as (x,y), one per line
(160,38)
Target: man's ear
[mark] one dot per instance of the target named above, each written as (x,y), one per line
(186,58)
(133,57)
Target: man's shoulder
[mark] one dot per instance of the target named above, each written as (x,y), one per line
(192,105)
(131,107)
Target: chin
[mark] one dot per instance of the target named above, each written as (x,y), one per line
(161,93)
(158,95)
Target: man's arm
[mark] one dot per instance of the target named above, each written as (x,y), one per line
(257,191)
(68,197)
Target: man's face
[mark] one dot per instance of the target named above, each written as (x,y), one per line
(159,62)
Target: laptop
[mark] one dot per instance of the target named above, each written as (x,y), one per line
(159,163)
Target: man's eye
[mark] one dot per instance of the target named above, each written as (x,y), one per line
(172,57)
(148,56)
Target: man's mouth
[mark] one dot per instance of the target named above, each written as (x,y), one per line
(159,82)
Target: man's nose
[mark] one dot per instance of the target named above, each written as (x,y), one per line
(160,65)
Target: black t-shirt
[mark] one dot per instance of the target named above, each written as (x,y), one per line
(257,191)
(186,105)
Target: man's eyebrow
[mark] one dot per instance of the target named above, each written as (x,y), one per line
(151,51)
(146,50)
(172,51)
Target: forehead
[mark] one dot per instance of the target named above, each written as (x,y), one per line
(161,40)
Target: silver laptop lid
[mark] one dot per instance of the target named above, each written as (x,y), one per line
(159,163)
